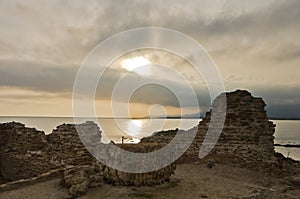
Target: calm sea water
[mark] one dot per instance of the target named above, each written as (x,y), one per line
(287,131)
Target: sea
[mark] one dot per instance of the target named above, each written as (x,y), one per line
(132,130)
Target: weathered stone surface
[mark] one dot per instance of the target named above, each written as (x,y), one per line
(22,151)
(79,178)
(66,147)
(160,176)
(27,152)
(247,137)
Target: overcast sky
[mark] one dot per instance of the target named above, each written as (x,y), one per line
(254,43)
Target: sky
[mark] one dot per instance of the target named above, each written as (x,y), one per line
(254,44)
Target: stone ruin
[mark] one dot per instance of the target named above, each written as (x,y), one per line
(21,152)
(247,136)
(246,141)
(27,153)
(65,146)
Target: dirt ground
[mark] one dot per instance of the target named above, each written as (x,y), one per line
(189,181)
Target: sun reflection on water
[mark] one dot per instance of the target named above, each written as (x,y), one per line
(136,127)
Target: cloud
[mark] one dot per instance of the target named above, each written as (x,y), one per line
(255,44)
(281,101)
(65,31)
(37,76)
(152,90)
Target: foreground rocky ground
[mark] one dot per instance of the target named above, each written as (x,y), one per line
(193,180)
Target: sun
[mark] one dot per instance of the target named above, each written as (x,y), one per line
(137,64)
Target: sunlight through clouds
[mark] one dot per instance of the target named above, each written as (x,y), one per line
(140,65)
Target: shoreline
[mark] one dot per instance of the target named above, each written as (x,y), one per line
(288,145)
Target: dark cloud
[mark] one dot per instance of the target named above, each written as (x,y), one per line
(279,95)
(161,91)
(282,102)
(284,111)
(37,76)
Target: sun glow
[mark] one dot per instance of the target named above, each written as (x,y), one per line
(136,128)
(137,64)
(138,123)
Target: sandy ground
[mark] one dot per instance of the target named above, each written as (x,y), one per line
(190,181)
(48,190)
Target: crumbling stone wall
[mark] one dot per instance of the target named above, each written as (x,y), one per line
(27,153)
(22,151)
(65,146)
(247,136)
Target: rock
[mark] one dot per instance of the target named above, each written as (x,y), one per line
(74,175)
(210,164)
(79,178)
(79,189)
(95,181)
(118,178)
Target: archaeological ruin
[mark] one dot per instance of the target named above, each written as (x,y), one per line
(246,141)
